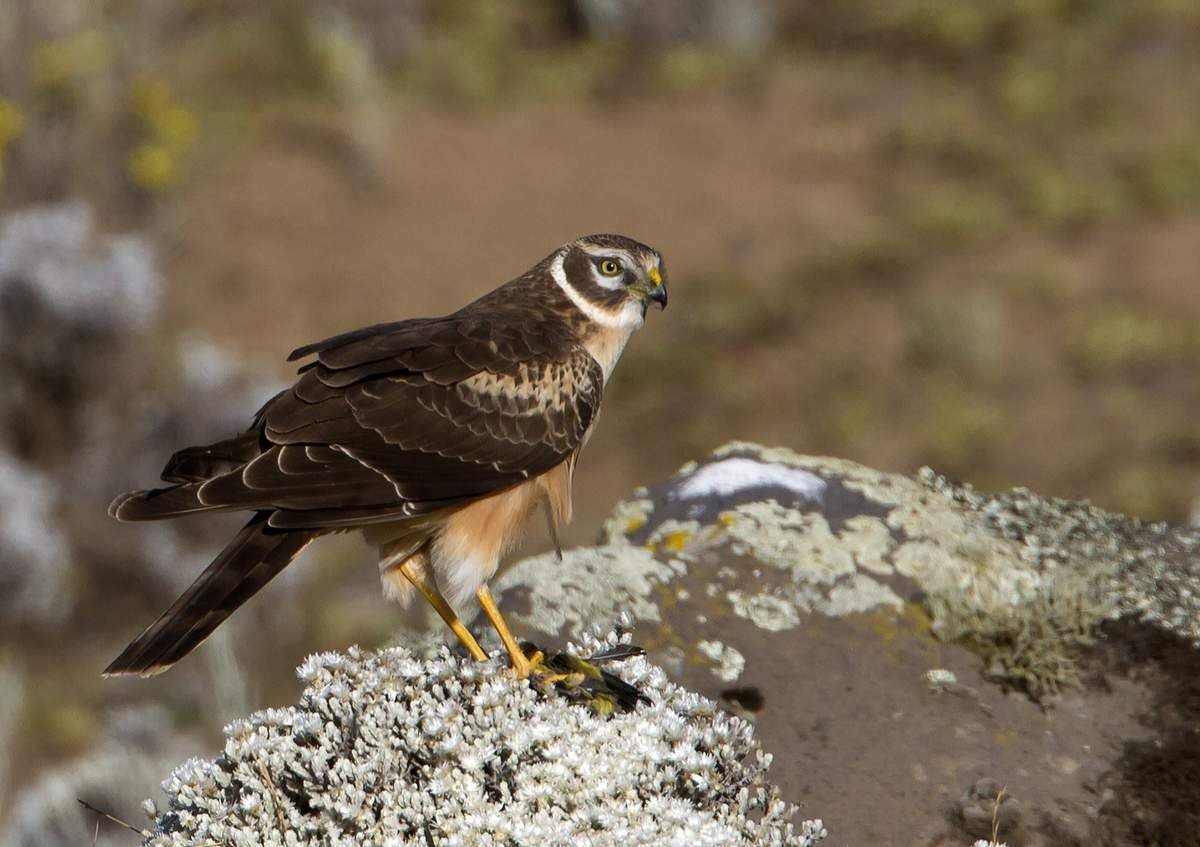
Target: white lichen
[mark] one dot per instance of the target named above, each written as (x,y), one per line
(799,543)
(860,593)
(939,680)
(627,516)
(386,748)
(589,585)
(729,662)
(869,541)
(766,611)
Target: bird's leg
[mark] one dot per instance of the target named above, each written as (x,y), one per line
(522,664)
(430,593)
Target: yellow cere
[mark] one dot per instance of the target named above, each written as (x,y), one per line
(655,277)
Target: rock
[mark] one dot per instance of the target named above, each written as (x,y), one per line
(767,537)
(387,748)
(815,596)
(987,807)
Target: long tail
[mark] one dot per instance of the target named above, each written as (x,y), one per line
(248,563)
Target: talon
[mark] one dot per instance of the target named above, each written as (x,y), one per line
(521,669)
(535,667)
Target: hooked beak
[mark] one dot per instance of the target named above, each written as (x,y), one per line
(658,293)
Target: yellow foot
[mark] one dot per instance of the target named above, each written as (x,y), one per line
(580,681)
(525,666)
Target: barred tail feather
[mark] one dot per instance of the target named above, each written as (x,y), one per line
(248,563)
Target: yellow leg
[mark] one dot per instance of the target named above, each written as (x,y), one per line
(521,664)
(443,608)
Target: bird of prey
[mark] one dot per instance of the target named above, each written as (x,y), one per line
(435,437)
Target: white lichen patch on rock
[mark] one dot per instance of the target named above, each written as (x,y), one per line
(729,662)
(766,611)
(975,571)
(860,593)
(869,542)
(589,586)
(628,516)
(796,542)
(386,749)
(940,679)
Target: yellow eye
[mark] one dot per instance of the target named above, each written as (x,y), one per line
(609,267)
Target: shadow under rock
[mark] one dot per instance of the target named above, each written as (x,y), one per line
(1151,796)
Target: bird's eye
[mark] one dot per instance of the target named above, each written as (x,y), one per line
(609,267)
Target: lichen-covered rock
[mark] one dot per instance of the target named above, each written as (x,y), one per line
(861,617)
(386,748)
(1024,577)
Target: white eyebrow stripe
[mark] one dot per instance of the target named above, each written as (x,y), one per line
(626,317)
(612,283)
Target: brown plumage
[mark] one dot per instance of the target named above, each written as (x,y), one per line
(436,437)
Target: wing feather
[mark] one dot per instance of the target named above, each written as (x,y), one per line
(405,419)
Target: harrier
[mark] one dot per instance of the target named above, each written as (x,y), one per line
(435,437)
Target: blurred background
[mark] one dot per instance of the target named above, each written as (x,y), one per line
(910,232)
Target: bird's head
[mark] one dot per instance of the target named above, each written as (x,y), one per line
(613,279)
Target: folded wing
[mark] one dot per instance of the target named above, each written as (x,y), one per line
(398,420)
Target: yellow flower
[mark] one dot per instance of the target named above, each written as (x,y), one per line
(174,126)
(64,60)
(152,167)
(12,122)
